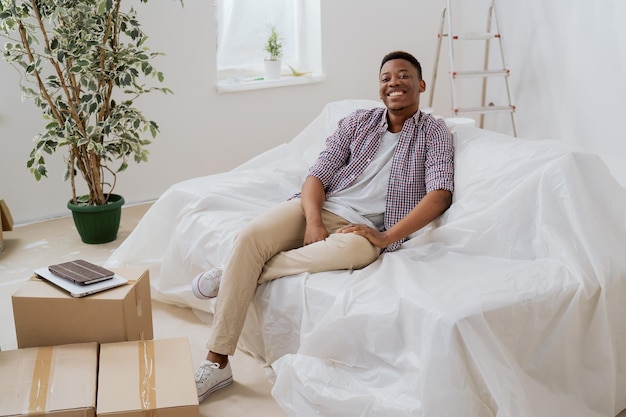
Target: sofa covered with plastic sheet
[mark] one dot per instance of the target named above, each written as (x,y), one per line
(510,304)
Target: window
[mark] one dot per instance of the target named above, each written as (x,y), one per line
(242,30)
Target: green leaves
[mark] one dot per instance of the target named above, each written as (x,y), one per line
(92,51)
(105,6)
(154,129)
(274,44)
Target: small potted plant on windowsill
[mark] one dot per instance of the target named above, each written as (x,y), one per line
(83,64)
(274,48)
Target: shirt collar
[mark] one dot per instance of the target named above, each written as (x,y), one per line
(416,118)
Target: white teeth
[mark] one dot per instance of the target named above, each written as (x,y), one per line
(395,93)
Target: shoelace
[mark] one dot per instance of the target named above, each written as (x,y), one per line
(205,370)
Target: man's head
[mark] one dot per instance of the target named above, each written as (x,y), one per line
(401,82)
(403,55)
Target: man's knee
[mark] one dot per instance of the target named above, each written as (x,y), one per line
(358,249)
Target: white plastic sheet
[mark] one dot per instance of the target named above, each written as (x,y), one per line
(508,305)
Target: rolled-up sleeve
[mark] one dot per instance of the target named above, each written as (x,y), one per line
(439,164)
(336,154)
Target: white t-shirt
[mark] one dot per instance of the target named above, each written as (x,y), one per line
(364,200)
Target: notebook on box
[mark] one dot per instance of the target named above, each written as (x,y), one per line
(81,272)
(78,290)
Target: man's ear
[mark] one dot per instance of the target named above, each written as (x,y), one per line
(422,86)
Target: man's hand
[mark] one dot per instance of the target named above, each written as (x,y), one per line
(427,210)
(376,238)
(314,233)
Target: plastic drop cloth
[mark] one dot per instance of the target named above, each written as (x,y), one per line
(510,304)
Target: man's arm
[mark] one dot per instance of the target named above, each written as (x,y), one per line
(428,209)
(312,199)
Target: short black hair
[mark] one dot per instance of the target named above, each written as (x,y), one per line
(402,55)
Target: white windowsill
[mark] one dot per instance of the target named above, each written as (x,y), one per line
(234,85)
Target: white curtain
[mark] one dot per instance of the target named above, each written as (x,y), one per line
(243,28)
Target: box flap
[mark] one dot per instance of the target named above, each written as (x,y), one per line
(5,217)
(44,315)
(146,375)
(138,309)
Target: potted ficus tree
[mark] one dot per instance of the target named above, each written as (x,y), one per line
(274,49)
(84,63)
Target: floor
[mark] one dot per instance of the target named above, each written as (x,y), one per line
(35,245)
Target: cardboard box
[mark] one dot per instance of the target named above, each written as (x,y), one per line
(6,222)
(151,377)
(49,381)
(45,315)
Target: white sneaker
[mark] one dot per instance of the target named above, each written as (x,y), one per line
(210,378)
(206,284)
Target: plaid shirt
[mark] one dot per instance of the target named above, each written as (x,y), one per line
(423,160)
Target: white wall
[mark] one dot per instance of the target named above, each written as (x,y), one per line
(571,64)
(567,83)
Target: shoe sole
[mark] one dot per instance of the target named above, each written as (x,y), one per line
(214,388)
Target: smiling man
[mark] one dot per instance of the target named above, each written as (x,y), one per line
(384,174)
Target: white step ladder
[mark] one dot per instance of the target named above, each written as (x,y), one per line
(484,73)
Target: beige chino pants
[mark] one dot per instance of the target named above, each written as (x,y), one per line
(270,247)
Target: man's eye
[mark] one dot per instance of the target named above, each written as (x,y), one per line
(384,80)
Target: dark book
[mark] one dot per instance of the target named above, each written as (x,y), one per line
(81,272)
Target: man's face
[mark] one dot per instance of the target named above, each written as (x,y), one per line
(400,85)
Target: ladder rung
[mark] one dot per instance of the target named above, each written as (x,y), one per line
(480,73)
(476,36)
(486,109)
(489,33)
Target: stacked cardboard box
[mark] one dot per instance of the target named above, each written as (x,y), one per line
(138,378)
(45,315)
(49,381)
(150,377)
(52,374)
(6,222)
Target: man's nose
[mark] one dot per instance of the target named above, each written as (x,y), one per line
(394,80)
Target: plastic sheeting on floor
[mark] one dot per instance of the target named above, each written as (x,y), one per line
(510,304)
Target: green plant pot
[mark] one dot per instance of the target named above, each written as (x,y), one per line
(98,224)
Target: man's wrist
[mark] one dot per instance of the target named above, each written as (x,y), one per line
(314,221)
(388,238)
